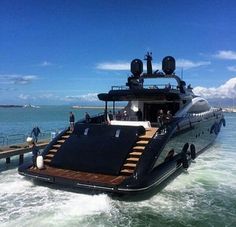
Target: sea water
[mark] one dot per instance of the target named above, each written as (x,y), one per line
(205,195)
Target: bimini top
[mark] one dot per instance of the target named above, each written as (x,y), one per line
(135,90)
(140,94)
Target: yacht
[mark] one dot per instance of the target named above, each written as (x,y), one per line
(159,132)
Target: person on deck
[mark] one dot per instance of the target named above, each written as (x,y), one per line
(35,133)
(139,115)
(72,121)
(160,118)
(168,116)
(87,117)
(118,116)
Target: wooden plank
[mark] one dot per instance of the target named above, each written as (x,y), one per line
(127,171)
(130,165)
(132,159)
(53,150)
(138,148)
(60,141)
(49,156)
(80,176)
(9,152)
(135,153)
(142,142)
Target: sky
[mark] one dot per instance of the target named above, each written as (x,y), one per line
(68,51)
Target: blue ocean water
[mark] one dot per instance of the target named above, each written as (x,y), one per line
(204,196)
(21,121)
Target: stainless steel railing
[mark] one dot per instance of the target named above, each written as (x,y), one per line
(12,139)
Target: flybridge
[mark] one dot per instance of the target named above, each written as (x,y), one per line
(136,80)
(136,90)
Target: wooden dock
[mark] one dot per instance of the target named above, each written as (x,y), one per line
(19,149)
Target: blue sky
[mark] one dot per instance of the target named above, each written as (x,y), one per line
(64,52)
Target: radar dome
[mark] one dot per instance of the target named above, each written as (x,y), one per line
(168,65)
(136,67)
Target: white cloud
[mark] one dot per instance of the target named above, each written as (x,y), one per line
(113,66)
(187,64)
(24,97)
(17,79)
(226,54)
(180,63)
(227,90)
(232,68)
(45,64)
(90,97)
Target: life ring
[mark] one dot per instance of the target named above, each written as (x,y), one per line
(192,152)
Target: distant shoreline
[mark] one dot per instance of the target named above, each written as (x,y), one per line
(11,106)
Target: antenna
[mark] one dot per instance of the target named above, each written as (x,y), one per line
(148,58)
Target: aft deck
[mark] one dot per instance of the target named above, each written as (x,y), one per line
(83,177)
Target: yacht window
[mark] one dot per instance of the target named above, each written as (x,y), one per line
(200,106)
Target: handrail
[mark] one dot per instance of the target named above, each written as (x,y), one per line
(6,140)
(15,138)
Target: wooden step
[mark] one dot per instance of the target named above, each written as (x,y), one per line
(132,159)
(53,151)
(135,153)
(130,165)
(57,145)
(60,141)
(139,148)
(146,137)
(127,171)
(46,161)
(142,142)
(49,156)
(65,136)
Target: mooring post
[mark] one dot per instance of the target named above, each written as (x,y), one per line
(8,160)
(21,159)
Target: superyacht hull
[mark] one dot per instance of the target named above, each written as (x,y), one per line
(153,168)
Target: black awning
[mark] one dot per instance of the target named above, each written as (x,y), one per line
(140,94)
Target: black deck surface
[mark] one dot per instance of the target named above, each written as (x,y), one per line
(100,151)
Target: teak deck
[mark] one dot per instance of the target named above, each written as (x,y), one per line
(82,177)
